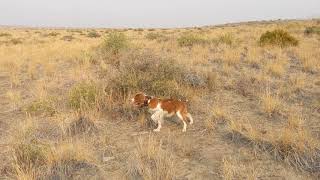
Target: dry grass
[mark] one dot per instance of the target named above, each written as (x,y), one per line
(150,161)
(65,110)
(270,103)
(292,144)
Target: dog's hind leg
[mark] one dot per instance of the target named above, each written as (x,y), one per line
(183,120)
(190,118)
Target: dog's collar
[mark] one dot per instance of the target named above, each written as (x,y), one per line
(146,101)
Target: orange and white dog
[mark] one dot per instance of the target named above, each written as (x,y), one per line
(162,108)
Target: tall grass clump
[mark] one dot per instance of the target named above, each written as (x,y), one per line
(93,34)
(84,95)
(312,30)
(227,39)
(16,41)
(144,71)
(270,103)
(42,106)
(153,36)
(52,34)
(67,38)
(115,42)
(5,34)
(189,40)
(279,38)
(150,161)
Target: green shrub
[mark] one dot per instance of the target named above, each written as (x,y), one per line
(45,106)
(312,30)
(115,42)
(278,37)
(188,40)
(93,34)
(83,95)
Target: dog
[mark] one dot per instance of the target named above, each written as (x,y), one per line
(162,108)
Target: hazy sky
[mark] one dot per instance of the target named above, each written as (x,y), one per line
(150,13)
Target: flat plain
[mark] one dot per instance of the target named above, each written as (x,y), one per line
(253,90)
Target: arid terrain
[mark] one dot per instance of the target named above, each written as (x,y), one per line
(253,90)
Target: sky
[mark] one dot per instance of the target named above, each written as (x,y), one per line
(150,13)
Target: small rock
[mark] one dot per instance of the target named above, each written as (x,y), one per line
(106,159)
(194,80)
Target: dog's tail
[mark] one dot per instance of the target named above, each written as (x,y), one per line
(190,118)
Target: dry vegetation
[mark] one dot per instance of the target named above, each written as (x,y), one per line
(253,90)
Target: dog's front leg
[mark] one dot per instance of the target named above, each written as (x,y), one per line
(155,116)
(158,116)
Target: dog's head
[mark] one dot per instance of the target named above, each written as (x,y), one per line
(140,100)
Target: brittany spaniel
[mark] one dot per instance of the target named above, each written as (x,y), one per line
(162,108)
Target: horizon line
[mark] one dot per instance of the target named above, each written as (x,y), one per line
(182,27)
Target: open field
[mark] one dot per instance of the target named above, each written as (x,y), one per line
(65,109)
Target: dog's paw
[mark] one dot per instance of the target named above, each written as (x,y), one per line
(156,130)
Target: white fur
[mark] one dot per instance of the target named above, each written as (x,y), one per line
(190,118)
(184,123)
(158,115)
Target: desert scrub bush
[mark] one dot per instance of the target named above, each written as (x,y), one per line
(189,40)
(42,106)
(227,39)
(312,30)
(138,30)
(151,29)
(194,79)
(144,71)
(93,34)
(29,155)
(279,38)
(115,42)
(84,95)
(79,31)
(52,34)
(15,41)
(67,38)
(5,34)
(153,36)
